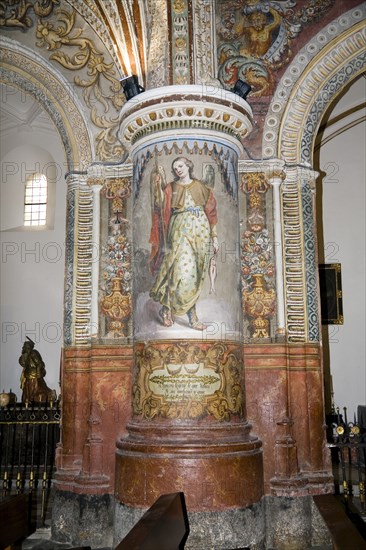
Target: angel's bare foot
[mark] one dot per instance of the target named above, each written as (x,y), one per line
(166,316)
(194,321)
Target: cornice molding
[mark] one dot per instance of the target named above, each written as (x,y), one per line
(185,108)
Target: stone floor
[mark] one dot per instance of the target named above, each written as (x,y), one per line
(40,539)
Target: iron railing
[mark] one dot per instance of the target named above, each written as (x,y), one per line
(28,437)
(348,445)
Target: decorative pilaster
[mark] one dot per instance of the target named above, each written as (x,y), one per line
(294,260)
(307,178)
(79,250)
(116,259)
(276,177)
(259,273)
(94,316)
(83,255)
(71,235)
(96,375)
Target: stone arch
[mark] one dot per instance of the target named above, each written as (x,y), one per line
(332,59)
(26,70)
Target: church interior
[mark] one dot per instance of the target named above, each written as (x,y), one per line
(183,272)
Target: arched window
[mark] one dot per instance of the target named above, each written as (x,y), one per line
(35,200)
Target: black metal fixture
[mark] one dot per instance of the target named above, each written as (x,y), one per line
(241,88)
(131,86)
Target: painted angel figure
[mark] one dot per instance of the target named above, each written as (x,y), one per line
(183,230)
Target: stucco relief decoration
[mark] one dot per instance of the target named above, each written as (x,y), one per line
(255,39)
(180,42)
(183,380)
(17,13)
(115,302)
(257,267)
(101,88)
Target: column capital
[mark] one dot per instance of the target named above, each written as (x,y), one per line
(303,173)
(75,179)
(274,169)
(99,173)
(207,110)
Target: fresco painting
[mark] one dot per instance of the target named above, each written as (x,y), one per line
(255,39)
(187,261)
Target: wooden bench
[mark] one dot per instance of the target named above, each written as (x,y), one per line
(15,524)
(344,534)
(164,526)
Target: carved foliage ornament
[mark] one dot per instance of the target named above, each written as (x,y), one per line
(257,267)
(16,13)
(184,380)
(101,88)
(116,303)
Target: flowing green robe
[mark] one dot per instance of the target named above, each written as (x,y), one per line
(181,274)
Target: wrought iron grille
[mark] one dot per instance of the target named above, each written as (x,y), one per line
(28,438)
(348,445)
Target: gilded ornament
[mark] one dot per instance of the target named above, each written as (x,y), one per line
(4,399)
(116,259)
(184,381)
(101,90)
(117,307)
(179,6)
(259,304)
(180,43)
(15,13)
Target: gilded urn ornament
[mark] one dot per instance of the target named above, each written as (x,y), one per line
(260,305)
(117,307)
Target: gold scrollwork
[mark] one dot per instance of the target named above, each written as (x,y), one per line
(260,304)
(116,304)
(101,90)
(117,307)
(117,190)
(15,13)
(183,380)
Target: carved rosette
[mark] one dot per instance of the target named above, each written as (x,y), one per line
(180,43)
(181,380)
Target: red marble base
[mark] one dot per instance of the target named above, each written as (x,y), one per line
(284,401)
(217,468)
(96,406)
(285,404)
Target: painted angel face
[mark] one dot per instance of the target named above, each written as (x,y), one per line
(181,169)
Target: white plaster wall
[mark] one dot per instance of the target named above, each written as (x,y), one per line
(32,261)
(344,204)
